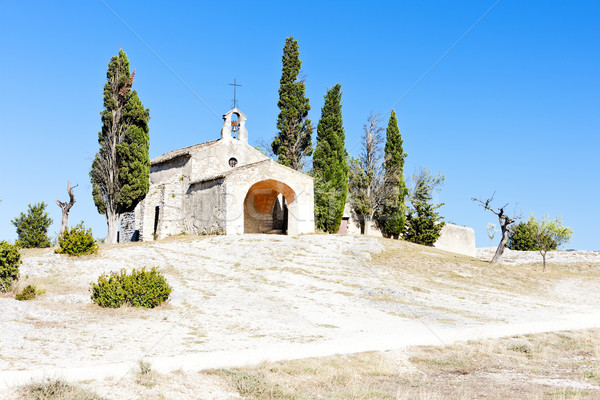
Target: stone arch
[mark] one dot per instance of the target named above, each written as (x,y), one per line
(266,207)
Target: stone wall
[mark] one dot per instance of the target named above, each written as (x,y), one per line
(128,230)
(454,238)
(204,208)
(213,160)
(168,171)
(259,207)
(457,239)
(165,199)
(354,224)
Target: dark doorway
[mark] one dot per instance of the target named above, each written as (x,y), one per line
(156,217)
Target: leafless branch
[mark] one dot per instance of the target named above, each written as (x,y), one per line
(66,207)
(504,220)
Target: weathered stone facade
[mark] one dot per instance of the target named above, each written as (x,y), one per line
(222,187)
(128,231)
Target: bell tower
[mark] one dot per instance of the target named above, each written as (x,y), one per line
(231,126)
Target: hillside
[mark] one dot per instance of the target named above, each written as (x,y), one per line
(244,300)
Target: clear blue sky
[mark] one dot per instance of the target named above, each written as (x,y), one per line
(514,107)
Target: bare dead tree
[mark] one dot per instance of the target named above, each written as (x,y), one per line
(265,147)
(504,220)
(66,207)
(367,188)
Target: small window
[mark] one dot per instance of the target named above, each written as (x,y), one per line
(232,162)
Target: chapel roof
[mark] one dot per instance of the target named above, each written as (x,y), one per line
(236,170)
(186,151)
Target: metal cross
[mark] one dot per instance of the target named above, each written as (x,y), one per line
(234,84)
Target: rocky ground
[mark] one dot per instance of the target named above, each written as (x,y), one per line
(244,300)
(531,257)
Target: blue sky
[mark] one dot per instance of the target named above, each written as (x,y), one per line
(512,108)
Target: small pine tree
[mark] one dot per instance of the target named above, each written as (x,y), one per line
(330,164)
(32,228)
(392,217)
(293,141)
(423,222)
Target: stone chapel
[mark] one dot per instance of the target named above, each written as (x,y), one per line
(224,186)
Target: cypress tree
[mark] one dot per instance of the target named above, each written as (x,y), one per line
(330,164)
(392,217)
(32,228)
(121,169)
(292,142)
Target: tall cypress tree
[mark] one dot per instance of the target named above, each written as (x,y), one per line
(330,164)
(292,142)
(392,218)
(121,169)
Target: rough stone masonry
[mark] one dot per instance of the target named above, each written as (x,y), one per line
(224,186)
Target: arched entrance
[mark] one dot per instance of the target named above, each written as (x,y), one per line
(266,207)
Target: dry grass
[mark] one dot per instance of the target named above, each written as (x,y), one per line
(35,252)
(364,376)
(551,366)
(435,269)
(545,366)
(56,390)
(145,376)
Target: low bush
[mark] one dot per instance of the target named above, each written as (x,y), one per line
(77,241)
(10,260)
(145,377)
(51,389)
(30,292)
(141,288)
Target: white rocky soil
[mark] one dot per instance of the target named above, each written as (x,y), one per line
(243,300)
(527,257)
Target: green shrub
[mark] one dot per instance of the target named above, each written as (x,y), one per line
(109,291)
(30,292)
(141,288)
(32,227)
(77,241)
(10,259)
(521,238)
